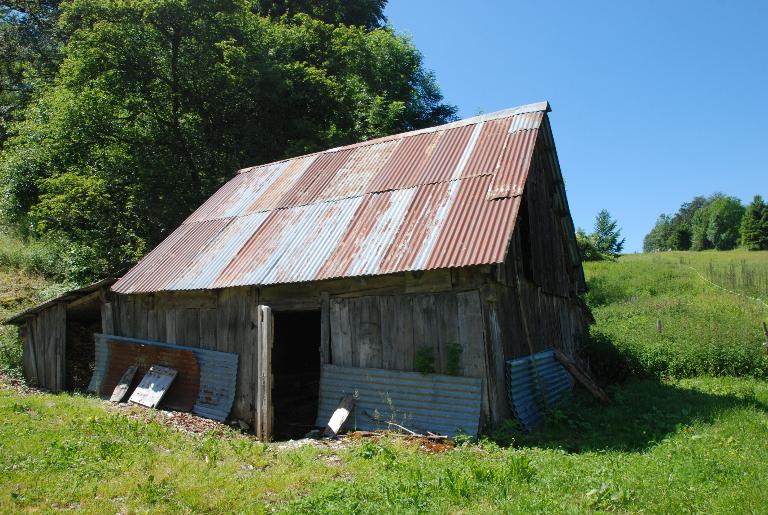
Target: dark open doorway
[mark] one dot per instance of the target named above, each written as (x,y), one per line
(296,372)
(83,321)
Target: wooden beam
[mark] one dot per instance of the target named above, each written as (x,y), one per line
(340,416)
(582,377)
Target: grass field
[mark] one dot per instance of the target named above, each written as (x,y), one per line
(677,439)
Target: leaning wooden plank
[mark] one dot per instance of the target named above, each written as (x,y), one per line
(124,384)
(340,416)
(581,376)
(153,386)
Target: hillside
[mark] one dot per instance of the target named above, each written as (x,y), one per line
(676,438)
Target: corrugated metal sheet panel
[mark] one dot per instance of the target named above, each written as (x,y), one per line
(434,198)
(446,405)
(447,155)
(475,231)
(218,374)
(169,260)
(317,177)
(356,173)
(514,163)
(366,241)
(406,163)
(535,384)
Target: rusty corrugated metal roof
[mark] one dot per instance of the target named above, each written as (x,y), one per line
(433,198)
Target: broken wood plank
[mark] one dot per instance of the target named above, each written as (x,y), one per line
(340,416)
(582,377)
(124,384)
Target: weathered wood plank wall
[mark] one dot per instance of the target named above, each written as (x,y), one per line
(45,347)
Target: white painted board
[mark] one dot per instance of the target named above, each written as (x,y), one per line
(153,386)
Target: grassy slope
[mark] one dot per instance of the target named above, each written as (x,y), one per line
(705,329)
(21,286)
(694,444)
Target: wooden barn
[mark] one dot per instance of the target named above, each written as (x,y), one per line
(404,271)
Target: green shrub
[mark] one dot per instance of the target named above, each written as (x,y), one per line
(33,256)
(606,362)
(424,361)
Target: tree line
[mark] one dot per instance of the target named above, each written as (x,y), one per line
(716,222)
(118,118)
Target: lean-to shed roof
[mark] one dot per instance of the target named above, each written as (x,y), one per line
(442,197)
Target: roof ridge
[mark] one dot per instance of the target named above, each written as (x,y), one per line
(485,117)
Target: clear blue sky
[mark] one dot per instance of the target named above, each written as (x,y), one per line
(653,102)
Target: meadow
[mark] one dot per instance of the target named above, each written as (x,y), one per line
(686,431)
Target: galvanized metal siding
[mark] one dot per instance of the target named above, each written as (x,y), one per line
(434,198)
(441,404)
(536,384)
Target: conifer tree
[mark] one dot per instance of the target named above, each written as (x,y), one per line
(607,236)
(754,225)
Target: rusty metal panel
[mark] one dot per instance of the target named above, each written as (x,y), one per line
(514,163)
(317,235)
(441,404)
(418,232)
(121,356)
(485,155)
(447,155)
(407,161)
(207,265)
(366,241)
(315,179)
(270,197)
(363,164)
(171,259)
(476,231)
(217,376)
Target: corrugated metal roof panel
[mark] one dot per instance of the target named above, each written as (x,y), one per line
(536,384)
(369,236)
(315,179)
(169,260)
(447,155)
(271,196)
(475,231)
(490,143)
(446,405)
(514,163)
(407,161)
(433,198)
(207,265)
(317,235)
(354,175)
(418,233)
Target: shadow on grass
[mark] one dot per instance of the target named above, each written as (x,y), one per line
(644,412)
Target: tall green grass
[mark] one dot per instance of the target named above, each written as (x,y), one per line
(705,330)
(34,257)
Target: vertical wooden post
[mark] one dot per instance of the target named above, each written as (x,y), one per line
(765,331)
(325,328)
(658,325)
(263,426)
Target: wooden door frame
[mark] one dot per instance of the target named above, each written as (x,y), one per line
(264,422)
